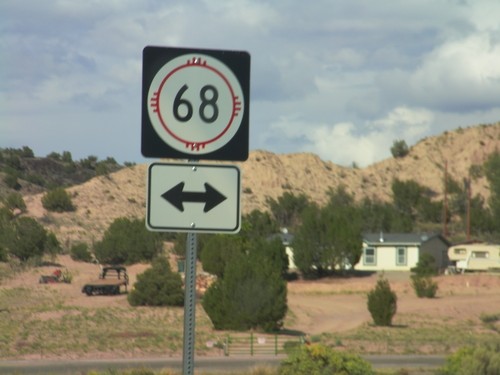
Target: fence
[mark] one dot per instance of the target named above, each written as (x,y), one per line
(260,344)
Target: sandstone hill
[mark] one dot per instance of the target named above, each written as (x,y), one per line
(265,174)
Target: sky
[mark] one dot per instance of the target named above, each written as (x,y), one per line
(342,79)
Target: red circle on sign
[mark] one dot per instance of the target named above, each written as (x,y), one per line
(236,104)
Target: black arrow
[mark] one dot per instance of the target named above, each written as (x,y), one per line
(176,197)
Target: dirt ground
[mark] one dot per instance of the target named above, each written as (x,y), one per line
(329,305)
(338,305)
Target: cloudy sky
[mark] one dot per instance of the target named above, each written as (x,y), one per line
(339,78)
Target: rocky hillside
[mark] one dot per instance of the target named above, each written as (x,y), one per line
(123,193)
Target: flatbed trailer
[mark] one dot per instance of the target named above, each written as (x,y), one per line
(112,280)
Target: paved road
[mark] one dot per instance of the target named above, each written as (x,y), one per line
(208,364)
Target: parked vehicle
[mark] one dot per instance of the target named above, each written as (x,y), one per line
(112,280)
(58,276)
(477,256)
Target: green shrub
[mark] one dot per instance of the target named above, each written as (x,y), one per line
(480,360)
(15,200)
(218,252)
(101,169)
(57,200)
(5,232)
(426,265)
(52,244)
(157,286)
(11,181)
(26,152)
(382,303)
(399,149)
(252,294)
(476,171)
(3,254)
(36,179)
(13,161)
(66,276)
(128,241)
(291,347)
(424,286)
(26,239)
(66,157)
(317,359)
(80,252)
(489,318)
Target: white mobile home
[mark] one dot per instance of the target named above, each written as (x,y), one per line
(400,251)
(478,256)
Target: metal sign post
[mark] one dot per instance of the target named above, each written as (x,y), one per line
(195,105)
(189,305)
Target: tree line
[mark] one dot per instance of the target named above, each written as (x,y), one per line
(19,165)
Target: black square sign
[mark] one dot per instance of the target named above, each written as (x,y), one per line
(195,104)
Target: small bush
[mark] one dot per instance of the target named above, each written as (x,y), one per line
(66,276)
(157,286)
(382,303)
(489,318)
(101,169)
(424,286)
(80,252)
(317,359)
(27,239)
(36,179)
(127,241)
(399,149)
(426,266)
(11,181)
(15,201)
(291,347)
(3,255)
(57,200)
(52,244)
(480,360)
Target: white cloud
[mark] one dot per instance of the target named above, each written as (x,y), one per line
(483,14)
(244,12)
(347,142)
(341,79)
(341,143)
(460,74)
(408,121)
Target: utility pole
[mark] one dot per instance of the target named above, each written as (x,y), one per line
(468,189)
(445,206)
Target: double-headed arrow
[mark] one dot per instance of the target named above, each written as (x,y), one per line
(177,196)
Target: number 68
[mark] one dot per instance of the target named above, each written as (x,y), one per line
(210,101)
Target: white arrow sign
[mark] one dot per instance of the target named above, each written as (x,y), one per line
(193,198)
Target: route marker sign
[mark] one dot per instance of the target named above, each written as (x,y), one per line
(195,103)
(192,197)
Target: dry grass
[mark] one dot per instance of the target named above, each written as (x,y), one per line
(58,321)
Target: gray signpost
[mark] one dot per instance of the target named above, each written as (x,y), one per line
(195,105)
(189,305)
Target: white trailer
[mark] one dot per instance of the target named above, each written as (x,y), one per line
(478,256)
